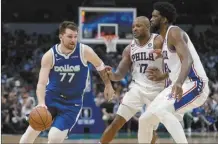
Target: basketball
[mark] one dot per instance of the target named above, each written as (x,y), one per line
(40,119)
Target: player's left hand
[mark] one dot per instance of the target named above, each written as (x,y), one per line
(108,68)
(154,74)
(177,91)
(157,52)
(109,92)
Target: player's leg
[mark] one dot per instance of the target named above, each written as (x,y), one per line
(117,124)
(151,94)
(163,109)
(195,95)
(154,137)
(64,121)
(160,110)
(56,135)
(131,104)
(29,136)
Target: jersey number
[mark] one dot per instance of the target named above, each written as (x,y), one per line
(71,75)
(166,68)
(143,68)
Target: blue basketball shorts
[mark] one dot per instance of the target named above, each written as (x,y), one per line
(64,114)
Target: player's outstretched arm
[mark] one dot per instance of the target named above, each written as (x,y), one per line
(123,67)
(46,65)
(179,41)
(93,58)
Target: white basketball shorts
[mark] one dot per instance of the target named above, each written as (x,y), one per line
(135,99)
(195,94)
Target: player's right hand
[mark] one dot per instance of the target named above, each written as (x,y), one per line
(157,52)
(154,74)
(41,105)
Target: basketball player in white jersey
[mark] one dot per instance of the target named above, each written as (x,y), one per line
(137,57)
(188,87)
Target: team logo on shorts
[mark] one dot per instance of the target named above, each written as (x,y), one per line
(170,97)
(86,113)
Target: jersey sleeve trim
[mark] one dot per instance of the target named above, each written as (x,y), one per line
(53,57)
(83,60)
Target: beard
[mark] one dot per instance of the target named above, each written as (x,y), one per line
(69,46)
(155,29)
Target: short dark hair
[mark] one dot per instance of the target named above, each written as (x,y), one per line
(67,24)
(167,10)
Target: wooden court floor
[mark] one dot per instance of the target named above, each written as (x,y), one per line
(199,138)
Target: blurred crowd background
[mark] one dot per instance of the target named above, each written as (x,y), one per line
(22,52)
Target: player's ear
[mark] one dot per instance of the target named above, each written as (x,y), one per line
(60,36)
(164,20)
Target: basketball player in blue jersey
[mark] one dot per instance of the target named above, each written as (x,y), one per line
(188,87)
(137,56)
(62,82)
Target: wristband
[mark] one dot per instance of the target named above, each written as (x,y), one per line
(101,67)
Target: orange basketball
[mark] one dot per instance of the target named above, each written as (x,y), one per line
(40,119)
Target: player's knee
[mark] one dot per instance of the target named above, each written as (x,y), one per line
(118,122)
(147,118)
(29,136)
(56,136)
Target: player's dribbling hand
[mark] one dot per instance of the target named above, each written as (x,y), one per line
(109,92)
(41,105)
(177,91)
(154,74)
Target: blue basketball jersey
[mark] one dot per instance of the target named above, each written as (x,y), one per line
(69,74)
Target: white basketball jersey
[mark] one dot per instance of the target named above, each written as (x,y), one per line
(142,58)
(172,63)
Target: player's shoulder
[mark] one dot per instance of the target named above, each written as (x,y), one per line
(175,30)
(157,36)
(50,52)
(86,50)
(126,51)
(154,35)
(177,33)
(85,46)
(129,46)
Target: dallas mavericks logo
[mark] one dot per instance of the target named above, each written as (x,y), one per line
(67,68)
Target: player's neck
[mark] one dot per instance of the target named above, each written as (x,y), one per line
(163,30)
(62,49)
(144,40)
